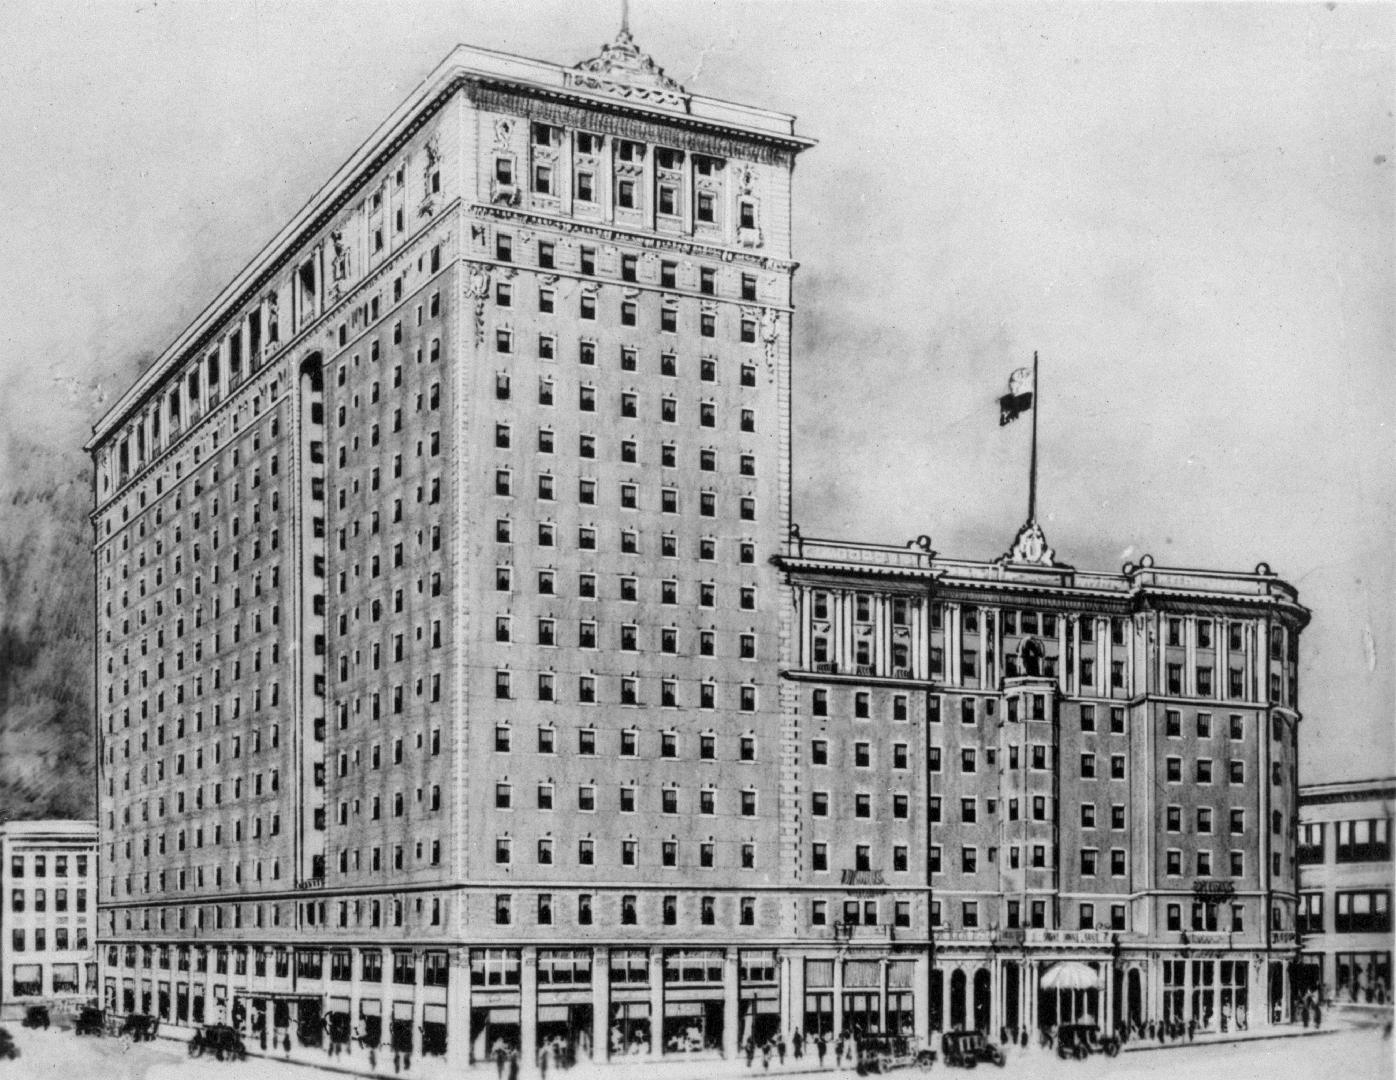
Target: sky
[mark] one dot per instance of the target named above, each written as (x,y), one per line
(1187,210)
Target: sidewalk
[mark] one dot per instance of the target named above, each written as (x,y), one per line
(1212,1038)
(704,1067)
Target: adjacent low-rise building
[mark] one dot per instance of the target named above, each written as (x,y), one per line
(48,892)
(1345,882)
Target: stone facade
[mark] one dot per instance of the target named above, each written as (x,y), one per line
(48,892)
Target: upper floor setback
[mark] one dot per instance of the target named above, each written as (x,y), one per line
(611,143)
(907,613)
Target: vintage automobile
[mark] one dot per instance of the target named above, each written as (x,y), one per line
(883,1053)
(220,1040)
(140,1027)
(90,1021)
(1081,1040)
(967,1049)
(36,1016)
(8,1049)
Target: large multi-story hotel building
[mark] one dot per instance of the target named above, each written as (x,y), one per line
(437,629)
(1105,765)
(48,879)
(457,686)
(1345,882)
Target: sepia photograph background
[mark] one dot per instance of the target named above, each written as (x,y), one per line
(1185,210)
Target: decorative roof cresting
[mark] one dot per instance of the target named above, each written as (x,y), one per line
(624,70)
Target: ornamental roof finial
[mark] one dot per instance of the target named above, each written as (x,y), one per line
(623,69)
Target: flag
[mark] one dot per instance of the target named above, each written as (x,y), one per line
(1018,400)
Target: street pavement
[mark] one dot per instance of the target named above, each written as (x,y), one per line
(1348,1054)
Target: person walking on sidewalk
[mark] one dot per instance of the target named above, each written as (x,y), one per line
(1318,1014)
(766,1055)
(821,1044)
(797,1043)
(780,1048)
(750,1050)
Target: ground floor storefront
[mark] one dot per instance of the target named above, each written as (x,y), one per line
(1038,980)
(466,1004)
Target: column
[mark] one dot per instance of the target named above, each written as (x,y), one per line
(1030,995)
(457,1010)
(528,1007)
(838,996)
(1107,997)
(1285,1016)
(1062,666)
(601,1003)
(418,989)
(1187,991)
(656,1002)
(792,992)
(952,644)
(731,1004)
(806,657)
(946,972)
(995,997)
(356,990)
(920,1002)
(1190,656)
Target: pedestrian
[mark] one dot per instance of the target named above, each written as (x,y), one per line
(543,1056)
(780,1048)
(821,1045)
(513,1065)
(838,1052)
(373,1059)
(750,1050)
(1318,1014)
(766,1055)
(286,1044)
(1162,1031)
(797,1043)
(397,1060)
(1023,1038)
(500,1057)
(1192,1029)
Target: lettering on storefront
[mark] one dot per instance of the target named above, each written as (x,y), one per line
(1283,937)
(1212,890)
(311,883)
(863,877)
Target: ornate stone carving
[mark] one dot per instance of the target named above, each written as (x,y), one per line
(478,289)
(1030,548)
(770,332)
(503,132)
(623,70)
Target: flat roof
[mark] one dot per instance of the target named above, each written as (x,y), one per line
(581,82)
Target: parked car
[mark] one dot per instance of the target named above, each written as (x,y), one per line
(967,1049)
(1081,1040)
(8,1049)
(36,1016)
(220,1040)
(883,1053)
(91,1021)
(139,1026)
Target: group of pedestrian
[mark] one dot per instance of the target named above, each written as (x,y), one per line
(1311,1007)
(506,1061)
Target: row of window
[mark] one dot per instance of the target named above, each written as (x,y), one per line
(38,865)
(1354,841)
(40,900)
(629,401)
(669,852)
(547,537)
(628,495)
(62,939)
(1356,912)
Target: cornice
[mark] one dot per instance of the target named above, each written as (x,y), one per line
(613,234)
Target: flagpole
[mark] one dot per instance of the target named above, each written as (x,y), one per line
(1032,466)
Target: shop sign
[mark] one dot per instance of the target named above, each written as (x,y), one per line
(1283,937)
(1213,890)
(863,877)
(1069,937)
